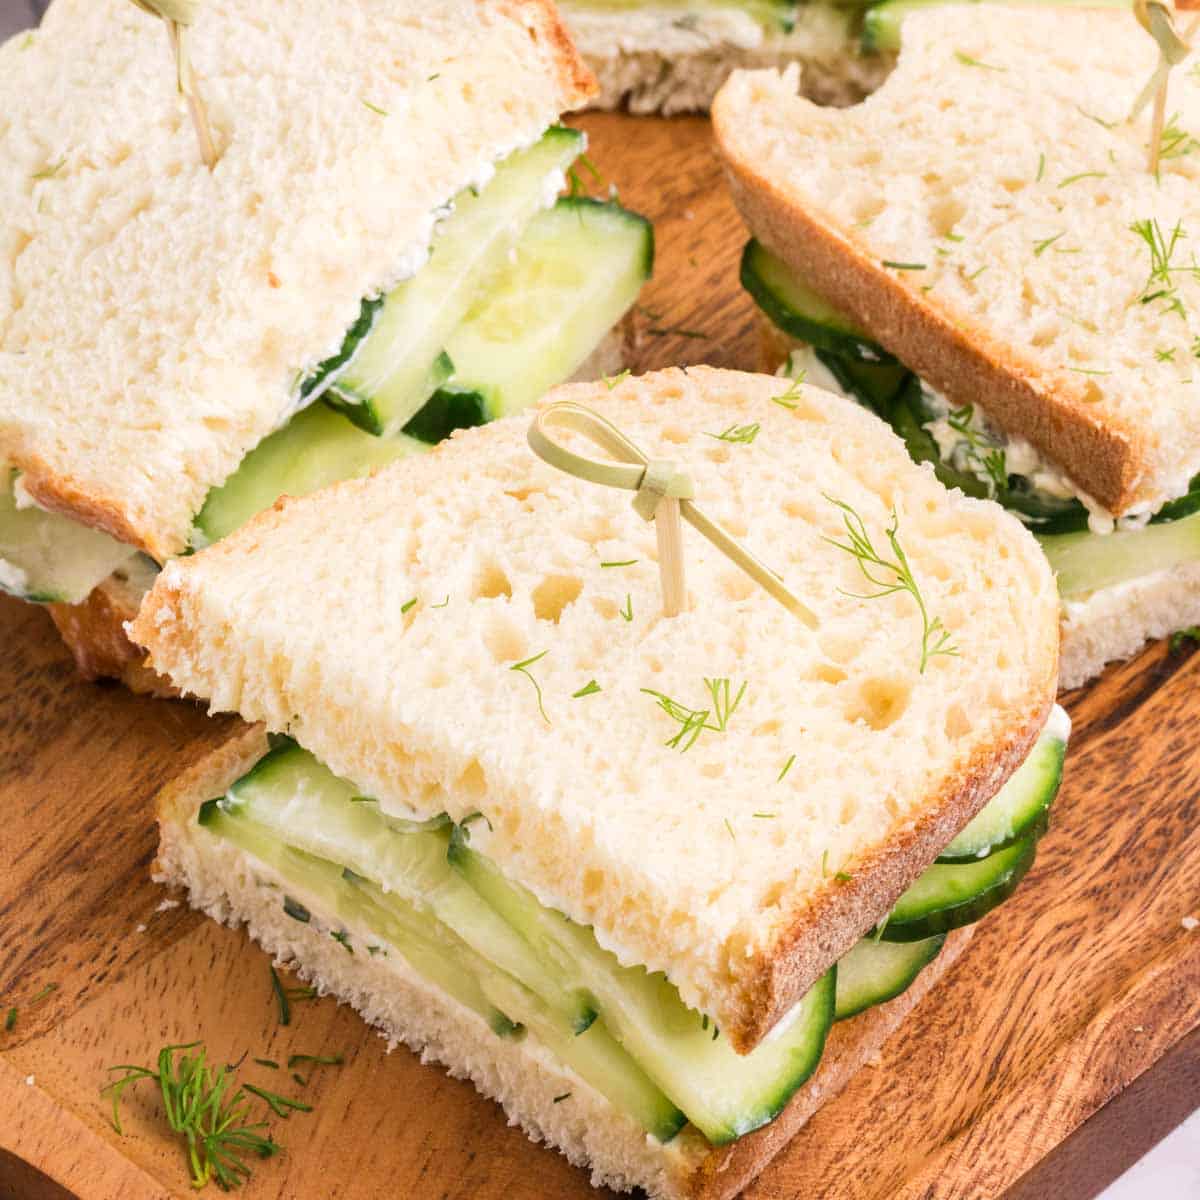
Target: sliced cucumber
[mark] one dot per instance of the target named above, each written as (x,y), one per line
(391,375)
(948,897)
(316,447)
(327,892)
(297,800)
(769,13)
(48,558)
(448,409)
(576,271)
(877,971)
(1086,562)
(800,312)
(724,1094)
(1023,800)
(881,23)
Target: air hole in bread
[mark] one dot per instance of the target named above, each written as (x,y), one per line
(553,594)
(797,510)
(880,701)
(491,582)
(503,640)
(840,648)
(713,770)
(828,673)
(767,728)
(655,664)
(523,493)
(737,585)
(472,783)
(593,882)
(867,209)
(945,214)
(595,529)
(717,454)
(605,607)
(958,724)
(736,526)
(674,434)
(436,678)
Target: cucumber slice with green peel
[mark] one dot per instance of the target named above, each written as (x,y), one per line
(724,1094)
(950,896)
(46,557)
(882,22)
(300,802)
(328,893)
(316,447)
(874,972)
(800,312)
(391,374)
(577,269)
(1085,562)
(1182,506)
(448,409)
(874,385)
(1022,802)
(359,409)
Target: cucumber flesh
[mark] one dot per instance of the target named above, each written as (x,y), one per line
(316,447)
(577,269)
(301,802)
(448,409)
(800,312)
(874,972)
(1085,562)
(949,896)
(1023,800)
(882,22)
(779,14)
(724,1094)
(48,558)
(390,376)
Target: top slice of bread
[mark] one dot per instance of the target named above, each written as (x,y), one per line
(997,166)
(741,880)
(156,317)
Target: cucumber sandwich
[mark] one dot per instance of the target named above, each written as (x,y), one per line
(381,254)
(658,885)
(980,254)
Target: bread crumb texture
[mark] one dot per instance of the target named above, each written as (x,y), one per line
(998,158)
(155,317)
(699,862)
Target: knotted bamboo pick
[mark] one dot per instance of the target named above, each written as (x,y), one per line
(178,16)
(1157,18)
(663,494)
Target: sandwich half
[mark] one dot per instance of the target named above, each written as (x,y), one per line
(980,253)
(379,255)
(623,871)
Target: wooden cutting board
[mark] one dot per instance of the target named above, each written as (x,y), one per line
(1067,994)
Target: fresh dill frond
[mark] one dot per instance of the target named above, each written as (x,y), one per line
(787,766)
(1070,179)
(968,61)
(975,274)
(407,605)
(729,830)
(343,939)
(693,721)
(764,816)
(376,109)
(575,185)
(624,562)
(1088,371)
(1165,354)
(559,1099)
(212,1120)
(1174,141)
(285,995)
(889,577)
(842,877)
(824,864)
(267,1062)
(50,171)
(443,603)
(1160,284)
(523,668)
(281,1106)
(589,689)
(1083,112)
(741,434)
(1040,248)
(627,611)
(983,453)
(1041,168)
(317,1060)
(792,397)
(296,910)
(10,1019)
(903,266)
(611,381)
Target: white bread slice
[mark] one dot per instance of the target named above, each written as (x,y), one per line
(296,621)
(1106,626)
(1000,128)
(666,59)
(155,317)
(521,1075)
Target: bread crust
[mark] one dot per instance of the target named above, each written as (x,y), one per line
(953,352)
(719,1173)
(94,632)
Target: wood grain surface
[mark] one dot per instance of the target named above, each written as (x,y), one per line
(1067,994)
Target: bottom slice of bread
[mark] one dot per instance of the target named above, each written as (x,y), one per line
(520,1074)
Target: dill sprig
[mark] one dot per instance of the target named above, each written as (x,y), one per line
(1159,283)
(285,995)
(982,452)
(611,381)
(523,668)
(627,611)
(787,766)
(201,1108)
(968,61)
(742,434)
(281,1106)
(890,577)
(1175,142)
(589,689)
(693,721)
(1191,633)
(575,184)
(792,397)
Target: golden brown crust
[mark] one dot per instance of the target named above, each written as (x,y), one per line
(576,81)
(955,354)
(850,1046)
(94,632)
